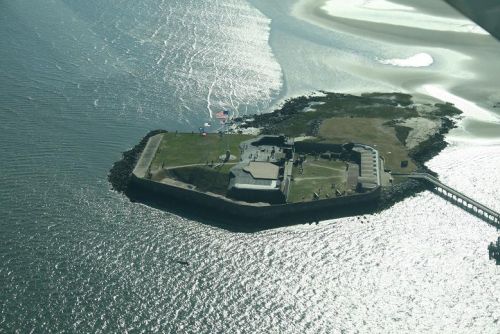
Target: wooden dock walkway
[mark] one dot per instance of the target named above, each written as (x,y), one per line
(458,198)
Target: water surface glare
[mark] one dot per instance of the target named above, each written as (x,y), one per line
(81,82)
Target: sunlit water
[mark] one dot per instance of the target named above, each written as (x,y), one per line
(82,81)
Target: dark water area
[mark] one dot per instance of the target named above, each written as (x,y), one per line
(81,82)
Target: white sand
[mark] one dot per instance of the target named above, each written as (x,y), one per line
(419,60)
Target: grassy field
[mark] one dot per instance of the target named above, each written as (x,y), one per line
(184,157)
(215,180)
(293,122)
(190,149)
(317,177)
(393,109)
(371,131)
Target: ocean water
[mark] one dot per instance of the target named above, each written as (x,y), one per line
(80,82)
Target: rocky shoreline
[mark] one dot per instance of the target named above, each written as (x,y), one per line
(424,152)
(119,175)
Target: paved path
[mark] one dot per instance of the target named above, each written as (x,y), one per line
(326,167)
(147,155)
(193,165)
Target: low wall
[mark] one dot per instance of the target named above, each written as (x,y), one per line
(182,191)
(312,147)
(221,206)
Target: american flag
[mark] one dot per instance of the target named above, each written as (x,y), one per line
(222,114)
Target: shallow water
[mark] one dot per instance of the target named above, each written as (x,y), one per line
(357,52)
(82,82)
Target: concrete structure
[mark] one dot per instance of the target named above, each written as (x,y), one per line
(142,166)
(370,167)
(352,176)
(169,188)
(264,172)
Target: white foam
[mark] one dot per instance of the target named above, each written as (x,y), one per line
(382,11)
(418,60)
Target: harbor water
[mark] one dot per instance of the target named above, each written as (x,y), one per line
(83,81)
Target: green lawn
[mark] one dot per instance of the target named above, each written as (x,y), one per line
(317,177)
(187,149)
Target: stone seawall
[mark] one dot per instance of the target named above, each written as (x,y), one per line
(241,211)
(184,199)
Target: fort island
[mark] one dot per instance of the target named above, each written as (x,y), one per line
(319,156)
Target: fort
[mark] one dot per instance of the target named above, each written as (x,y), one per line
(317,157)
(260,177)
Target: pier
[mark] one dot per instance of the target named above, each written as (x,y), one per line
(458,198)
